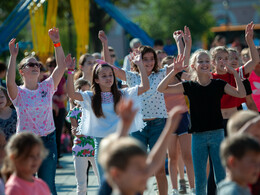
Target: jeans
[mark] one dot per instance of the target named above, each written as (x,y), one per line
(151,132)
(100,169)
(59,122)
(47,169)
(205,144)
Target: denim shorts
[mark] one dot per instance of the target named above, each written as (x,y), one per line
(184,125)
(151,132)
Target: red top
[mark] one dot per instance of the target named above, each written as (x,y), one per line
(228,101)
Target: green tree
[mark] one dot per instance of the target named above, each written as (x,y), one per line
(163,17)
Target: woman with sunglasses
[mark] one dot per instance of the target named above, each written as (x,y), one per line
(33,102)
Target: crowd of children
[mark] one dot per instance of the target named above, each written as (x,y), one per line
(184,106)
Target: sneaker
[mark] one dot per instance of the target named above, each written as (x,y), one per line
(182,189)
(192,191)
(175,192)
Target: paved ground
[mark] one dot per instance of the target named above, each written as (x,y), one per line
(66,183)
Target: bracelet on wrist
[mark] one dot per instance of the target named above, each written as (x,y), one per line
(57,44)
(71,72)
(71,69)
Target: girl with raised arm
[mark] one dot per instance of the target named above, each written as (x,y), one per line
(99,115)
(33,102)
(153,104)
(205,96)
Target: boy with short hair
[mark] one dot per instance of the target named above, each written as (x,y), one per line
(240,154)
(126,163)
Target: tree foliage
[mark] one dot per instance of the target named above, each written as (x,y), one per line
(99,20)
(163,17)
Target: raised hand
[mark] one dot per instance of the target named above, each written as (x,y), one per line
(249,32)
(230,69)
(70,62)
(178,65)
(137,59)
(127,114)
(187,36)
(177,35)
(54,35)
(13,48)
(102,36)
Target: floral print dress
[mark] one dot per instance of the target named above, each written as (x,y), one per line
(83,146)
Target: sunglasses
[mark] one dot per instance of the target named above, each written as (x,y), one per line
(113,56)
(31,64)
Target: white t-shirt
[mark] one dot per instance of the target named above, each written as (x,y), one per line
(153,104)
(101,127)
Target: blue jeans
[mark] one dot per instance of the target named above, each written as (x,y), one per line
(99,168)
(205,144)
(151,132)
(47,169)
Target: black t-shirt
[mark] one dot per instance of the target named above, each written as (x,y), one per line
(205,104)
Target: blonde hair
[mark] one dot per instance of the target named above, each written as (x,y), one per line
(214,51)
(239,119)
(245,51)
(19,147)
(192,62)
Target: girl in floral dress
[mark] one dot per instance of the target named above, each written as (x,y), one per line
(83,149)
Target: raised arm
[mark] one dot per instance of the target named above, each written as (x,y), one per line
(186,36)
(119,73)
(164,86)
(254,57)
(60,57)
(239,91)
(178,35)
(70,63)
(157,155)
(127,114)
(11,70)
(144,85)
(188,43)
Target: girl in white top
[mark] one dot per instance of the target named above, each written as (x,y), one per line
(33,102)
(99,116)
(153,104)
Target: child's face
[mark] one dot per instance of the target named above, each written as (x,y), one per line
(3,100)
(220,61)
(88,65)
(245,58)
(105,79)
(247,169)
(135,177)
(148,62)
(233,59)
(29,165)
(202,63)
(85,88)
